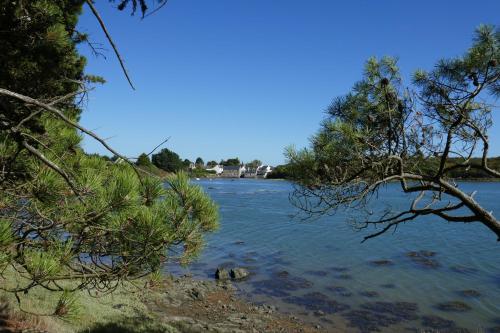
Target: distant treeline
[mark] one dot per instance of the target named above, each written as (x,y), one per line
(471,173)
(428,166)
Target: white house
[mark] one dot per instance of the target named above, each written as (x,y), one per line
(218,169)
(264,170)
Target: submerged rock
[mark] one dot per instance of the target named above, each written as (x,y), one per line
(421,253)
(316,273)
(382,262)
(469,293)
(424,258)
(369,293)
(339,291)
(399,310)
(339,269)
(375,316)
(282,274)
(453,306)
(388,285)
(367,321)
(280,284)
(270,292)
(437,322)
(239,273)
(317,301)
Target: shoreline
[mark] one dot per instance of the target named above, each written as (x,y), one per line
(203,305)
(174,305)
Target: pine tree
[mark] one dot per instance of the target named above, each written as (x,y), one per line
(418,137)
(68,220)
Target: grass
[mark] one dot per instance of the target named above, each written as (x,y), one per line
(123,310)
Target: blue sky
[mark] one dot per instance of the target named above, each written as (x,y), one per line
(247,78)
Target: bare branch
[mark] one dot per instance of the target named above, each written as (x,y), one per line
(108,36)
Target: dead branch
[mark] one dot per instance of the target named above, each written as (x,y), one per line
(111,42)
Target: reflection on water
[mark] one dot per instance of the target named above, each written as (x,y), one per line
(429,274)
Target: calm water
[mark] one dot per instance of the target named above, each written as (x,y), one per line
(303,267)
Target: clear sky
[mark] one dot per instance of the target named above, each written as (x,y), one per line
(227,78)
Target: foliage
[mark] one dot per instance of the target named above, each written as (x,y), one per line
(280,172)
(143,160)
(383,131)
(199,162)
(167,160)
(231,162)
(200,173)
(211,164)
(254,164)
(143,4)
(66,215)
(186,163)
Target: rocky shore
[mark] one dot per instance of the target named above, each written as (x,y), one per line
(191,305)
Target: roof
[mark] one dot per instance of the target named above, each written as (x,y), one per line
(231,167)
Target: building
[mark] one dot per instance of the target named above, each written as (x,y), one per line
(250,173)
(264,170)
(217,168)
(231,171)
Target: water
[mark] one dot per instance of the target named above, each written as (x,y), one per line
(289,258)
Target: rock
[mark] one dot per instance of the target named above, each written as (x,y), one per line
(282,274)
(437,322)
(378,315)
(388,285)
(369,293)
(319,313)
(453,306)
(280,284)
(382,262)
(339,269)
(197,294)
(316,301)
(399,310)
(424,258)
(316,273)
(239,273)
(367,321)
(222,274)
(340,291)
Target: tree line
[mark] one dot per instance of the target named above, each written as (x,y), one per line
(169,161)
